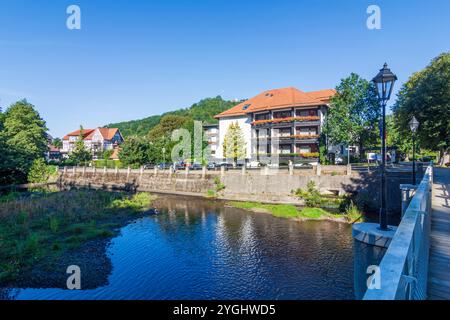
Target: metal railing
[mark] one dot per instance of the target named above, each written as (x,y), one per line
(404,267)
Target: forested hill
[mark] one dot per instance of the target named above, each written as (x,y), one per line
(204,110)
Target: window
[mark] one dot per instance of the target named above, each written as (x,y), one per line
(245,107)
(303,149)
(265,116)
(306,113)
(282,114)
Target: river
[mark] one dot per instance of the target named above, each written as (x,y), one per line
(202,249)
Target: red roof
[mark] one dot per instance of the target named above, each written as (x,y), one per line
(279,99)
(76,133)
(107,133)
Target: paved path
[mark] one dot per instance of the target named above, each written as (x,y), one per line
(439,268)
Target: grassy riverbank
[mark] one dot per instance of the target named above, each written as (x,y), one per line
(47,224)
(293,212)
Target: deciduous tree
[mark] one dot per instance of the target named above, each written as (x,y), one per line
(234,143)
(426,95)
(354,113)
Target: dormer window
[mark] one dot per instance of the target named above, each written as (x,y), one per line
(245,107)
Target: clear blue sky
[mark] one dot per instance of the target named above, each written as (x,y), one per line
(132,59)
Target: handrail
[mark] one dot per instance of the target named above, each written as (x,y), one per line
(404,268)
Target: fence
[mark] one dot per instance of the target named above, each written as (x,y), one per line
(265,170)
(404,267)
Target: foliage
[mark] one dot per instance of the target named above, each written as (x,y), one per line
(40,172)
(22,140)
(80,154)
(57,142)
(291,211)
(136,151)
(426,95)
(47,225)
(107,154)
(353,213)
(204,110)
(167,125)
(219,184)
(110,164)
(234,143)
(311,195)
(354,113)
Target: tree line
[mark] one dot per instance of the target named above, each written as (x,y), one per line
(354,113)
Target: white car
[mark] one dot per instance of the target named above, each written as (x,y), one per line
(253,164)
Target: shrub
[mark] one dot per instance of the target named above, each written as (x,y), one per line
(353,213)
(311,195)
(219,185)
(39,173)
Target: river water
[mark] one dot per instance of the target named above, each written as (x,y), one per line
(202,249)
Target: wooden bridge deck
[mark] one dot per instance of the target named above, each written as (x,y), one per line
(439,267)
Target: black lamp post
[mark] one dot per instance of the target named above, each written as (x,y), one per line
(384,83)
(414,125)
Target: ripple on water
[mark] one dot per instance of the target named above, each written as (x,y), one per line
(199,249)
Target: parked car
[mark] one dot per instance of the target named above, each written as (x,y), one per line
(164,166)
(195,166)
(148,166)
(303,166)
(254,164)
(212,166)
(180,166)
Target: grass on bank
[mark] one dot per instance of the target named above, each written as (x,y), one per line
(290,211)
(46,225)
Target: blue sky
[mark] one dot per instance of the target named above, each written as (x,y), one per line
(132,59)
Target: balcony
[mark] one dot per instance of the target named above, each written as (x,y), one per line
(298,138)
(289,121)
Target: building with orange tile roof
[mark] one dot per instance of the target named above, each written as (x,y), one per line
(97,140)
(286,122)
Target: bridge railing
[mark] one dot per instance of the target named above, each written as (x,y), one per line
(404,268)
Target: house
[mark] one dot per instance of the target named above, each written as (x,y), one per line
(212,135)
(52,154)
(96,140)
(286,122)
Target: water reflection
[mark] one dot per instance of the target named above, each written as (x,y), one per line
(200,249)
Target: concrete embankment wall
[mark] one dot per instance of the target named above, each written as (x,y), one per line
(249,186)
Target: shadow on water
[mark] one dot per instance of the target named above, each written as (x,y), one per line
(202,249)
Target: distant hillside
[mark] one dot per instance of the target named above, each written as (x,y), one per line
(204,110)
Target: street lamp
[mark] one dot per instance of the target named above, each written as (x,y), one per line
(414,125)
(384,83)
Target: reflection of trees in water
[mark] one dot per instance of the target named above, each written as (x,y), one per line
(258,243)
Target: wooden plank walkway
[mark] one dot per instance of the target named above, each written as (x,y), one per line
(439,267)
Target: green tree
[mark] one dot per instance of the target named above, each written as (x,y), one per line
(204,110)
(135,151)
(23,138)
(167,125)
(39,172)
(426,95)
(80,154)
(57,142)
(234,143)
(354,113)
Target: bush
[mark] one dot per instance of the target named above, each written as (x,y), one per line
(219,185)
(311,195)
(40,172)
